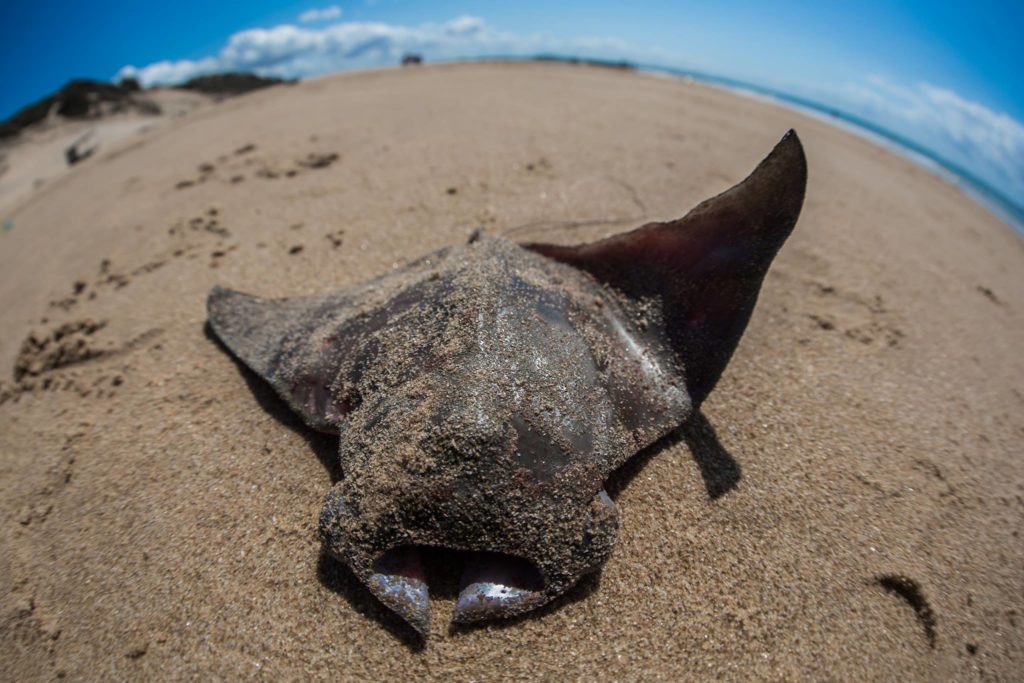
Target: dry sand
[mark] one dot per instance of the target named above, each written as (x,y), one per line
(159,517)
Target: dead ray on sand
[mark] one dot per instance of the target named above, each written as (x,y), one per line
(160,521)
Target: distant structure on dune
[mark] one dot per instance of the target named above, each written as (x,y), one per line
(411,59)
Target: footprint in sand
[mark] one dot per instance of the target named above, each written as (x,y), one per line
(865,320)
(232,167)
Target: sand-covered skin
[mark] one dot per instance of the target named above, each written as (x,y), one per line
(159,507)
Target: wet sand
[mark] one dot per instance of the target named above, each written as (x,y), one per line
(848,507)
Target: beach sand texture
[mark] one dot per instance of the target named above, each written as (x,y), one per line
(849,508)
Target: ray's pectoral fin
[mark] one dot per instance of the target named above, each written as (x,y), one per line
(706,268)
(288,342)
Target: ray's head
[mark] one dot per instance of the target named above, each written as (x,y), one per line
(456,467)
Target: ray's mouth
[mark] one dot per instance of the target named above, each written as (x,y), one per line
(485,585)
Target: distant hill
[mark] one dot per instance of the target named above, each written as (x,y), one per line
(83,99)
(230,83)
(585,61)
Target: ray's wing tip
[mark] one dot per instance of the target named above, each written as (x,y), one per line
(790,150)
(216,296)
(780,180)
(791,140)
(227,312)
(218,293)
(223,302)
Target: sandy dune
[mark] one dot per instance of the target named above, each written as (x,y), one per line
(848,508)
(37,156)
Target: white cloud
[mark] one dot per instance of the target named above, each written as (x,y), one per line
(293,51)
(465,25)
(989,143)
(311,16)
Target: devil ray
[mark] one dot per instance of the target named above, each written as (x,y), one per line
(483,394)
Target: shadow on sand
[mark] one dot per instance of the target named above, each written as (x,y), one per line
(720,471)
(324,445)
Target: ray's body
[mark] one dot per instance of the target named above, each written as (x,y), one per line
(484,393)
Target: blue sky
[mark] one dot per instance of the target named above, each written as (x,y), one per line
(946,75)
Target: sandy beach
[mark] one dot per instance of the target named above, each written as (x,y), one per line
(848,508)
